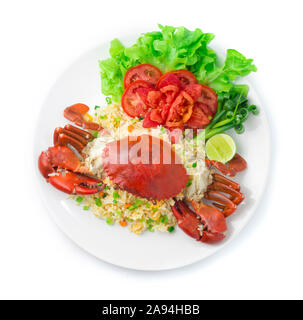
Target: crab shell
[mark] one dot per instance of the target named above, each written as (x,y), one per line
(145,166)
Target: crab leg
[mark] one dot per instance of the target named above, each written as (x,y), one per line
(228,206)
(219,178)
(75,114)
(235,196)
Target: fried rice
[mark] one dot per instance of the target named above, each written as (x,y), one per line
(119,206)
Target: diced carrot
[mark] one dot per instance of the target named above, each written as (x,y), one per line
(130,128)
(127,205)
(100,194)
(123,223)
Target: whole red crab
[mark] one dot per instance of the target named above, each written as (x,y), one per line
(148,175)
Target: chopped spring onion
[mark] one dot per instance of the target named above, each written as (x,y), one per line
(118,212)
(115,202)
(79,199)
(95,133)
(98,202)
(97,107)
(189,183)
(164,219)
(150,228)
(133,121)
(136,205)
(108,100)
(116,195)
(109,221)
(194,165)
(171,229)
(103,117)
(85,207)
(118,119)
(141,118)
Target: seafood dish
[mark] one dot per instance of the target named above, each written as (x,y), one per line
(159,155)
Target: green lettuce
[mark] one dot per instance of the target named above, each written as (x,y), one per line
(172,49)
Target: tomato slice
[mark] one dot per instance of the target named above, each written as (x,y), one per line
(146,72)
(210,98)
(194,90)
(204,108)
(148,123)
(198,119)
(186,77)
(170,93)
(154,98)
(167,79)
(134,98)
(155,115)
(180,111)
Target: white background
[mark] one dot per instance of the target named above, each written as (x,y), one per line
(39,39)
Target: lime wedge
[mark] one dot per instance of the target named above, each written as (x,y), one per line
(221,147)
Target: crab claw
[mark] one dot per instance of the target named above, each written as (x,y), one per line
(237,164)
(206,224)
(44,164)
(58,157)
(75,183)
(145,166)
(75,114)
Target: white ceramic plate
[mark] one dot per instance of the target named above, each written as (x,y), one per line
(116,245)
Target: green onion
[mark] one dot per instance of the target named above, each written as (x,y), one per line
(103,117)
(98,202)
(189,183)
(116,195)
(104,195)
(79,199)
(136,205)
(118,212)
(239,128)
(171,229)
(97,107)
(108,100)
(95,133)
(85,207)
(115,201)
(254,109)
(150,228)
(164,219)
(109,221)
(147,205)
(149,221)
(100,184)
(215,131)
(194,165)
(133,121)
(106,188)
(118,119)
(141,118)
(155,209)
(163,130)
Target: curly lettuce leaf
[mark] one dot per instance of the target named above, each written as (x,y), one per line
(172,49)
(236,65)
